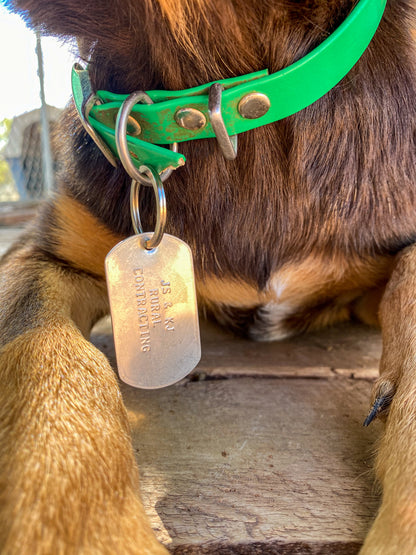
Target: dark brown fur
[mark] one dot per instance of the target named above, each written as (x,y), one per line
(322,201)
(311,193)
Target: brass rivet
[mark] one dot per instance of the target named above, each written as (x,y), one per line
(190,118)
(253,105)
(133,127)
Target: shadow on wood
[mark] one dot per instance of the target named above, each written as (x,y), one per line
(262,448)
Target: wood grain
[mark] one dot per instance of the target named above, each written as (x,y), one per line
(262,449)
(17,213)
(277,464)
(7,236)
(350,350)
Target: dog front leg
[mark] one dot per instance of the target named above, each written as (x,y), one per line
(68,478)
(394,530)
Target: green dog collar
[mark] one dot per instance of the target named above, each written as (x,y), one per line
(247,102)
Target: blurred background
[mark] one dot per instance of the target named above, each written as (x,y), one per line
(35,87)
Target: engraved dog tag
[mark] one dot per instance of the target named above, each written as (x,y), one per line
(153,310)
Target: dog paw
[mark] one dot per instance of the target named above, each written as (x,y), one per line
(383,393)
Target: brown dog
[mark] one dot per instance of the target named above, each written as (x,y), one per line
(314,222)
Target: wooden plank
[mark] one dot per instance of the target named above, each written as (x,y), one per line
(260,465)
(18,213)
(256,465)
(350,350)
(7,236)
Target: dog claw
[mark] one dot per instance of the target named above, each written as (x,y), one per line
(381,403)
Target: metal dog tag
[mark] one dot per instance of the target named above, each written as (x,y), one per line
(153,310)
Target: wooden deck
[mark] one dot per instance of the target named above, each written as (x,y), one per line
(262,449)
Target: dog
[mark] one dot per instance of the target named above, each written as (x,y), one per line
(312,223)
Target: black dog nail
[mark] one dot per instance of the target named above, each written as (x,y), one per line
(381,403)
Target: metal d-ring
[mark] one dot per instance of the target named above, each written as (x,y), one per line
(86,109)
(121,139)
(227,143)
(159,191)
(89,99)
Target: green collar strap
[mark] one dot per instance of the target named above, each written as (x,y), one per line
(247,102)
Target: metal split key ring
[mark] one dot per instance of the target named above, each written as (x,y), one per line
(145,175)
(159,191)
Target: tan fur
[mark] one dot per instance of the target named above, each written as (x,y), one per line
(314,281)
(80,237)
(394,529)
(319,275)
(356,284)
(65,415)
(230,292)
(301,282)
(68,478)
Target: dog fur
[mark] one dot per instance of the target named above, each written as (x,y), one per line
(313,223)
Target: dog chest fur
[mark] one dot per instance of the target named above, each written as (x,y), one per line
(300,189)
